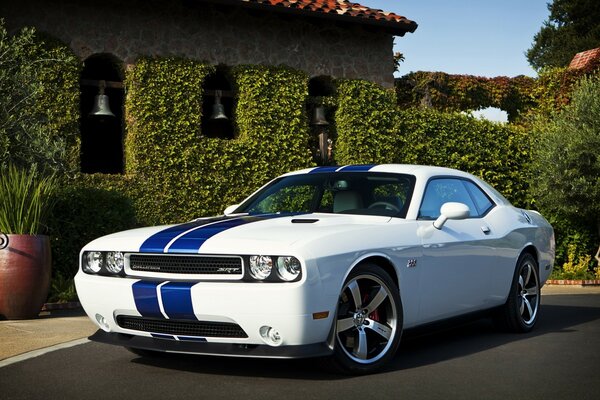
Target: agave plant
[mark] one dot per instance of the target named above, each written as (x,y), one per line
(26,199)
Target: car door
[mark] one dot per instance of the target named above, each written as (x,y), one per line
(456,267)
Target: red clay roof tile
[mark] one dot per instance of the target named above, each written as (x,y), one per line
(396,23)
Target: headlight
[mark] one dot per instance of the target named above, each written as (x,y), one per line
(288,268)
(92,261)
(260,267)
(115,262)
(103,262)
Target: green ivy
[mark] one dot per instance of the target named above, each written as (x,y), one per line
(186,174)
(365,121)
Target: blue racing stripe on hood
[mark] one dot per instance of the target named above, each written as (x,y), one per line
(157,242)
(192,241)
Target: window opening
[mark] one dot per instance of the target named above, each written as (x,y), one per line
(101,115)
(217,105)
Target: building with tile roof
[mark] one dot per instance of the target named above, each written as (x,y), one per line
(337,38)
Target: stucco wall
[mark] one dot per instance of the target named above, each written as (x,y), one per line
(219,35)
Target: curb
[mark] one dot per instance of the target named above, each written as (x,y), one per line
(574,282)
(70,305)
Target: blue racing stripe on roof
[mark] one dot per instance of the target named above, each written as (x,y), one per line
(146,299)
(192,241)
(177,300)
(356,168)
(319,170)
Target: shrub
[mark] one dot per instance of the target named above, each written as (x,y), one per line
(26,199)
(566,161)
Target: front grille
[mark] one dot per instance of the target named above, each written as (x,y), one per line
(175,264)
(181,328)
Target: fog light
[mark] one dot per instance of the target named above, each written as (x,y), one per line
(271,336)
(102,322)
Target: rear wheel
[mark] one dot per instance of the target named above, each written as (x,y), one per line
(520,312)
(368,321)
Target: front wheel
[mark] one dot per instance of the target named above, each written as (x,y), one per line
(520,312)
(368,321)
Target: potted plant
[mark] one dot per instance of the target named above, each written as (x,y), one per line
(26,199)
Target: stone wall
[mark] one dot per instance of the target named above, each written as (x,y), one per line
(217,34)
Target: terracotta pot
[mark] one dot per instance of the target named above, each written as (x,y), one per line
(25,266)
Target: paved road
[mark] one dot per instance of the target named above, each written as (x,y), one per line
(560,359)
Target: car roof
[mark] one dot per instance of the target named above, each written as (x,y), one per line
(422,172)
(419,171)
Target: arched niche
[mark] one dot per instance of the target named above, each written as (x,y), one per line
(217,122)
(101,134)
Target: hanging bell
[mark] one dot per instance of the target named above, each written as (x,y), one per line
(101,105)
(218,108)
(319,117)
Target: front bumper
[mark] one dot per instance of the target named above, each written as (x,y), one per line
(212,349)
(287,307)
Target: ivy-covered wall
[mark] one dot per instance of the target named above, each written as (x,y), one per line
(184,174)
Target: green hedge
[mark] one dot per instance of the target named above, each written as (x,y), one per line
(365,122)
(497,153)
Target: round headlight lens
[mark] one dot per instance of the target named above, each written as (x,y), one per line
(260,267)
(115,262)
(92,261)
(288,268)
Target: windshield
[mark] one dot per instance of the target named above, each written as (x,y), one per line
(363,193)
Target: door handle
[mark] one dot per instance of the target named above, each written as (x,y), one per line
(485,229)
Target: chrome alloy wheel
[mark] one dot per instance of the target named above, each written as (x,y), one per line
(367,319)
(528,299)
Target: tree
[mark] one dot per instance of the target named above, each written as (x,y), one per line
(566,159)
(32,115)
(573,26)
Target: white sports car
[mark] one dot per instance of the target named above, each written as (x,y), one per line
(328,262)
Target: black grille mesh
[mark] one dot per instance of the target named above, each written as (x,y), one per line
(186,264)
(181,328)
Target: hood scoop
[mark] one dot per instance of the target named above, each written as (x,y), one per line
(304,220)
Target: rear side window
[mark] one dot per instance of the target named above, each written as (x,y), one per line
(482,202)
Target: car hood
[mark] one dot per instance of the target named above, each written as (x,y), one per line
(243,234)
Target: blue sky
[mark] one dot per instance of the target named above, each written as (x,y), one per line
(485,37)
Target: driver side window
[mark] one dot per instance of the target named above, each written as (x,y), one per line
(444,190)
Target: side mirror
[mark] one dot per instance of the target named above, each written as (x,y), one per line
(230,209)
(451,211)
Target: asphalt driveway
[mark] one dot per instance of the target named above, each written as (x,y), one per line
(560,359)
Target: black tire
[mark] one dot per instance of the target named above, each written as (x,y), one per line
(367,334)
(520,312)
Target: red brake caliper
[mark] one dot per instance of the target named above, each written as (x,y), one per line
(375,314)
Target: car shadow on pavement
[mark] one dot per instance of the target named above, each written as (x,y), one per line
(416,349)
(459,341)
